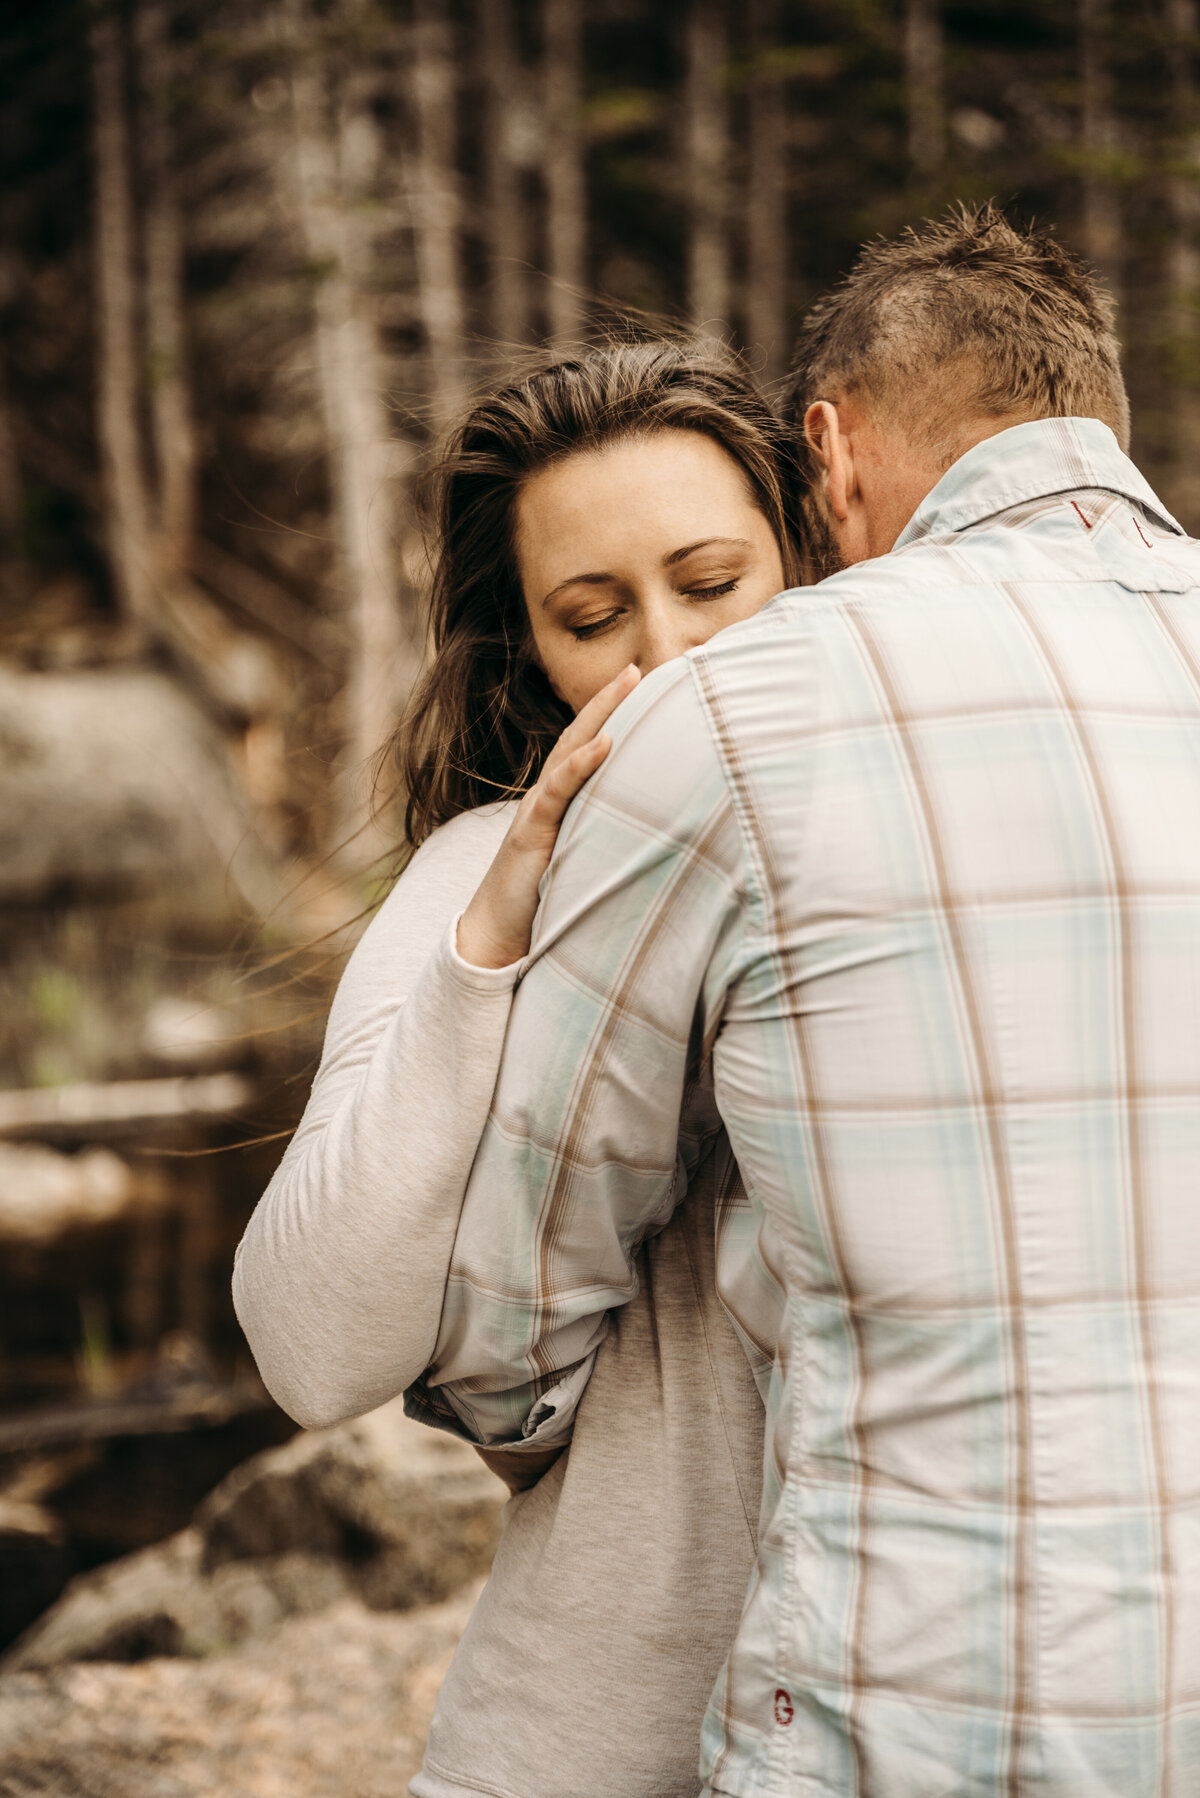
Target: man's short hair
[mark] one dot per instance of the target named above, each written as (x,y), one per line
(960,317)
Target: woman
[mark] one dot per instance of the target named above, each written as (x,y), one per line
(594,520)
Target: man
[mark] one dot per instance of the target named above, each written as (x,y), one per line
(916,856)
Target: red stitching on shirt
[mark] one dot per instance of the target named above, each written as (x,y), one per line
(1086,522)
(1141,533)
(785,1710)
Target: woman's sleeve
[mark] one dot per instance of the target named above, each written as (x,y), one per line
(339,1279)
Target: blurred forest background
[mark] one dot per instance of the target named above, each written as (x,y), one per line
(254,254)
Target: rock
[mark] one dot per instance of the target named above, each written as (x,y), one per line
(114,779)
(411,1512)
(332,1706)
(160,1602)
(380,1510)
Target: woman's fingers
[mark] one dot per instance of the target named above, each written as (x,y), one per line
(495,928)
(549,799)
(606,701)
(562,783)
(576,756)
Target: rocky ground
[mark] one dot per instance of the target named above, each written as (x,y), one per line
(290,1644)
(330,1706)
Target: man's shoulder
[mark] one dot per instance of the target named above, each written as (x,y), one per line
(663,780)
(666,687)
(1061,540)
(806,613)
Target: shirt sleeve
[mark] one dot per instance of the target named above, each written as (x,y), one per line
(638,939)
(339,1279)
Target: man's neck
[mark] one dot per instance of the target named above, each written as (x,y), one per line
(895,477)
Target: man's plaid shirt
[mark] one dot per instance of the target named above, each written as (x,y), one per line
(915,857)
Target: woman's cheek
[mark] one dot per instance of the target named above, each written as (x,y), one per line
(567,664)
(587,678)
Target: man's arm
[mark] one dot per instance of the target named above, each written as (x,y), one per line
(637,942)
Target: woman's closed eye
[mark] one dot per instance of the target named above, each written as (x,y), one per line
(717,592)
(581,632)
(593,627)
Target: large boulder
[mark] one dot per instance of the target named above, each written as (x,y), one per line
(114,780)
(381,1511)
(411,1513)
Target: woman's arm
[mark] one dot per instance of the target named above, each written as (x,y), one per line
(339,1279)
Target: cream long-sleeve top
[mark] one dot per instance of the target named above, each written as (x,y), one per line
(620,1576)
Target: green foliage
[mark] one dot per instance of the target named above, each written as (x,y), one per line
(94,1361)
(55,997)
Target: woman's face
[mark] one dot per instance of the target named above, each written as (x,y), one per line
(637,552)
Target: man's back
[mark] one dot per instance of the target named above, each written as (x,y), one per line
(962,1076)
(918,852)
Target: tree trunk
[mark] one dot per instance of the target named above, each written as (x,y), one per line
(383,659)
(170,403)
(766,199)
(235,674)
(566,187)
(1101,217)
(435,204)
(122,479)
(505,216)
(1183,262)
(924,77)
(706,163)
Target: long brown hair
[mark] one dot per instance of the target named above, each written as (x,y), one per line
(485,716)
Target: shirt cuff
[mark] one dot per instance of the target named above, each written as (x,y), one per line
(549,1424)
(475,979)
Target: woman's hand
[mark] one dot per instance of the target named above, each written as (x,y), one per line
(495,928)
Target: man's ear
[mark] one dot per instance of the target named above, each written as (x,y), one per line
(823,435)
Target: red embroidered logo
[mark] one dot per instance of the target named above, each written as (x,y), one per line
(785,1710)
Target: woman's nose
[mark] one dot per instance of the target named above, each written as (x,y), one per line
(661,639)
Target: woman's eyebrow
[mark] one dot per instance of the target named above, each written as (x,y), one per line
(578,580)
(679,555)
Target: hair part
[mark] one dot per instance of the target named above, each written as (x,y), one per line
(485,717)
(963,318)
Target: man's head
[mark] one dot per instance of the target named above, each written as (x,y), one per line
(935,340)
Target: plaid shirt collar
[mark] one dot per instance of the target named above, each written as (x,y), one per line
(1027,462)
